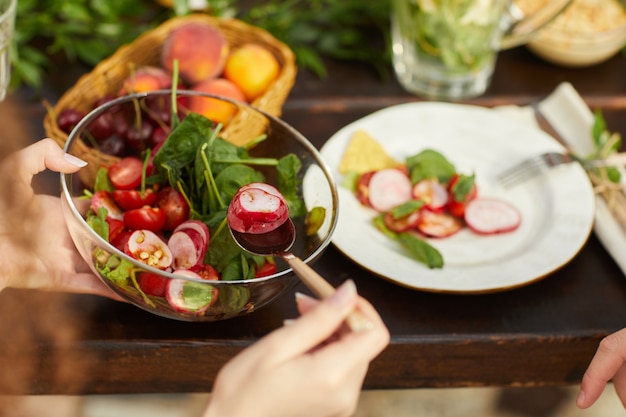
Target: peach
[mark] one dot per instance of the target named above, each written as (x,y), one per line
(253,68)
(148,78)
(217,110)
(201,51)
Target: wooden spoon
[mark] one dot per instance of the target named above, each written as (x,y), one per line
(278,242)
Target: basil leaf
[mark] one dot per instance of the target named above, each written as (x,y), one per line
(430,164)
(421,250)
(462,187)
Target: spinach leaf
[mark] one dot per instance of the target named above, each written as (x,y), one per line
(233,177)
(238,268)
(222,249)
(288,168)
(233,298)
(179,150)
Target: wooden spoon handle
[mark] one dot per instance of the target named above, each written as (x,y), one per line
(356,321)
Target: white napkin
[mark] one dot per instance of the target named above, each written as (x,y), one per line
(570,116)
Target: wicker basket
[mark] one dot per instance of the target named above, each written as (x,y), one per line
(107,78)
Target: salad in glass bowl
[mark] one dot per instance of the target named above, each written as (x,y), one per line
(149,216)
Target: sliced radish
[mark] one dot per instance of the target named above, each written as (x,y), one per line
(389,188)
(105,199)
(188,247)
(190,296)
(255,210)
(490,215)
(438,224)
(402,224)
(147,247)
(198,226)
(262,186)
(434,194)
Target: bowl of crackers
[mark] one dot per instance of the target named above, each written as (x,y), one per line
(588,32)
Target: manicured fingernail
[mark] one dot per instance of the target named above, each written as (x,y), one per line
(287,322)
(302,296)
(74,160)
(581,398)
(344,293)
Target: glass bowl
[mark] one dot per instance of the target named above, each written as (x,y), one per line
(585,34)
(178,296)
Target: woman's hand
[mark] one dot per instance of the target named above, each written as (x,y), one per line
(313,366)
(609,363)
(37,251)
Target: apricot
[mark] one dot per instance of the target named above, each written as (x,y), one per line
(253,68)
(217,110)
(201,51)
(148,78)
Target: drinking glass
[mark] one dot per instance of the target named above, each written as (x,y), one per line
(447,49)
(7,22)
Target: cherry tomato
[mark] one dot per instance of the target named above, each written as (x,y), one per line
(152,284)
(207,272)
(115,228)
(267,269)
(133,199)
(174,206)
(363,188)
(125,174)
(456,209)
(462,189)
(146,218)
(121,239)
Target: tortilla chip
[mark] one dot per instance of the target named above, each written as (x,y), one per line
(364,154)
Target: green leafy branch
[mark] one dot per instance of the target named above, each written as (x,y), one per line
(76,30)
(88,31)
(352,30)
(607,181)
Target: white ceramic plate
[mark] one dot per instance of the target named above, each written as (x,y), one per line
(557,208)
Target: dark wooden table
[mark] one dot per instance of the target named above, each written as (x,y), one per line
(538,335)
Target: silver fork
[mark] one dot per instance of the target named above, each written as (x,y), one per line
(539,164)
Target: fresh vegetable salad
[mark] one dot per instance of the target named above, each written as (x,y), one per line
(426,197)
(166,207)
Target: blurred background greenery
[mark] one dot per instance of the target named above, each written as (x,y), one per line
(49,32)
